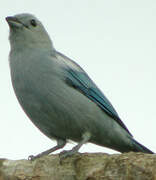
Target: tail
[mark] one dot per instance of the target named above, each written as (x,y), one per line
(137,147)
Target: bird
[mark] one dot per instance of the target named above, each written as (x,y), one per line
(58,96)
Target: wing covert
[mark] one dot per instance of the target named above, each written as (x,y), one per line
(78,79)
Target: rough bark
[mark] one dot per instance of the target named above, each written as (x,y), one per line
(97,166)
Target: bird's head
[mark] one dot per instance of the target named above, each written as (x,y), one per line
(27,30)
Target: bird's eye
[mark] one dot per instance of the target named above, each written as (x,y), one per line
(33,22)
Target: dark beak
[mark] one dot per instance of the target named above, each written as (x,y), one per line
(13,21)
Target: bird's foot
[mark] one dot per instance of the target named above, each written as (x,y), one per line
(32,157)
(64,154)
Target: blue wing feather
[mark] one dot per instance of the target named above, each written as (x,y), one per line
(77,78)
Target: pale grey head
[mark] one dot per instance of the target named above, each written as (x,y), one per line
(27,30)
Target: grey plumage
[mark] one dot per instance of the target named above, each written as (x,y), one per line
(58,96)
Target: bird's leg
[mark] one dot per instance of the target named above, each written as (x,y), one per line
(85,138)
(60,144)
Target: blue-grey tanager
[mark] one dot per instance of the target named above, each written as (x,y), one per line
(57,94)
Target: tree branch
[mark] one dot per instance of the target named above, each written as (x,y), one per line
(97,166)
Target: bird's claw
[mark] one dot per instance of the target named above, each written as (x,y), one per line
(31,158)
(64,154)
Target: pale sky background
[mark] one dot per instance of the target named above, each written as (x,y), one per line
(113,40)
